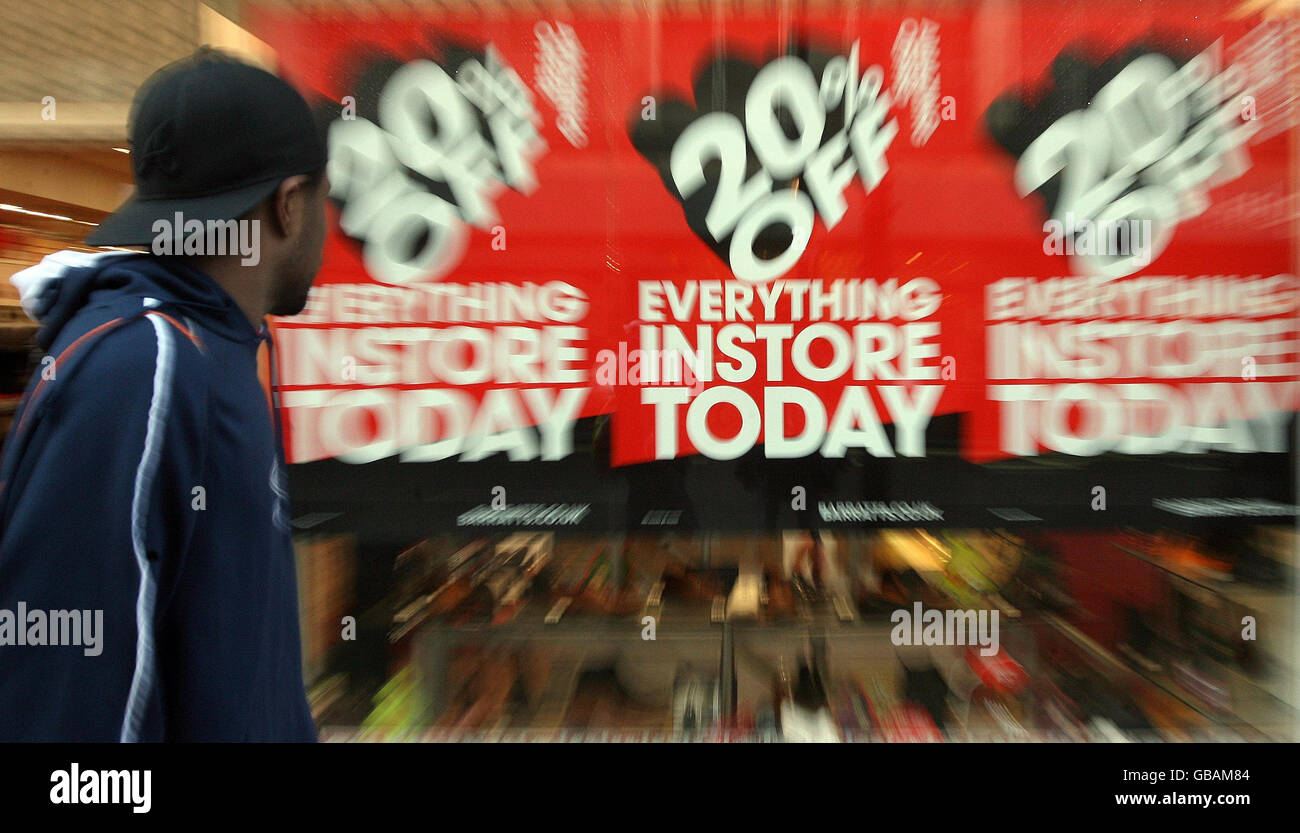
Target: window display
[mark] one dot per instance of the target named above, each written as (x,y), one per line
(911,372)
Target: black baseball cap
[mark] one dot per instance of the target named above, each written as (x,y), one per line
(211,137)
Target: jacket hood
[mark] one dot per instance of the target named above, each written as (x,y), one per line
(62,284)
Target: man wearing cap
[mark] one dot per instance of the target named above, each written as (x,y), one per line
(147,586)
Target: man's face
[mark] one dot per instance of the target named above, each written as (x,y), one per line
(306,248)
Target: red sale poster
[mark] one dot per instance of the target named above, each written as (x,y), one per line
(943,235)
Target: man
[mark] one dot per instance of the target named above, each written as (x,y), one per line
(147,587)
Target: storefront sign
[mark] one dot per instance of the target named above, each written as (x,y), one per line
(739,234)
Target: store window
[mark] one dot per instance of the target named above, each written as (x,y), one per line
(818,372)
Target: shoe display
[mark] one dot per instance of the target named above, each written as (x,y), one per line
(806,713)
(696,702)
(1177,643)
(746,598)
(999,673)
(780,595)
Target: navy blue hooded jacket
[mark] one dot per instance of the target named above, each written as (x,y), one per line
(143,477)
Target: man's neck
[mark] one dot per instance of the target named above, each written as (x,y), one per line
(244,284)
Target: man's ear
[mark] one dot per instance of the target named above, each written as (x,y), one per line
(289,204)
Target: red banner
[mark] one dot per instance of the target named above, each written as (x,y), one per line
(1074,224)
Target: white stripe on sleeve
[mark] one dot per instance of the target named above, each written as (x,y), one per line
(142,679)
